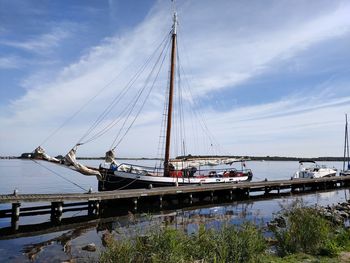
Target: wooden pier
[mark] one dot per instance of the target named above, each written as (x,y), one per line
(59,203)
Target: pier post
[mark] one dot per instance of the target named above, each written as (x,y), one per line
(160,201)
(231,195)
(15,216)
(134,200)
(266,190)
(191,198)
(278,190)
(212,196)
(56,211)
(93,207)
(97,207)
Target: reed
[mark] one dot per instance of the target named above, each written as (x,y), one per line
(229,244)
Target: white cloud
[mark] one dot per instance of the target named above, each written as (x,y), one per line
(10,62)
(40,44)
(223,51)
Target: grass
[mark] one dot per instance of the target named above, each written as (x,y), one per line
(306,237)
(230,244)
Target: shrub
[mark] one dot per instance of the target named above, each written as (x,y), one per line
(306,231)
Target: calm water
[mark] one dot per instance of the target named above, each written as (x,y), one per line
(65,243)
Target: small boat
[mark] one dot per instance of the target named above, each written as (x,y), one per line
(313,170)
(114,176)
(346,160)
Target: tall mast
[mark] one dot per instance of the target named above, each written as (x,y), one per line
(346,145)
(171,93)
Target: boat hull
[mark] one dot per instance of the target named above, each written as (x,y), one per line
(345,173)
(314,174)
(123,180)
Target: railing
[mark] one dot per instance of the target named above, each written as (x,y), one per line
(189,172)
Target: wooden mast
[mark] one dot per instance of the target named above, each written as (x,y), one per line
(170,102)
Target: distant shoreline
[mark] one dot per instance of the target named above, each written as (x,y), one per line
(251,158)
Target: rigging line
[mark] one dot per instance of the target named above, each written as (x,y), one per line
(47,168)
(84,105)
(162,135)
(133,106)
(124,186)
(144,102)
(118,119)
(181,106)
(198,115)
(123,92)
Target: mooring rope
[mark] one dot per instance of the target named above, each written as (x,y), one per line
(47,168)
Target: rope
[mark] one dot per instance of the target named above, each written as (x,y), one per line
(47,168)
(144,101)
(120,188)
(116,100)
(83,106)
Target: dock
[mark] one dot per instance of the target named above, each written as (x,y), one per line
(56,204)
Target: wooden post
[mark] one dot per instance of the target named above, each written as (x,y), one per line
(231,195)
(161,201)
(93,207)
(56,211)
(135,203)
(15,216)
(191,199)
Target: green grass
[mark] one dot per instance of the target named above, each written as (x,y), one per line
(230,244)
(306,237)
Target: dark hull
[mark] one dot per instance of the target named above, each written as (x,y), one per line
(113,182)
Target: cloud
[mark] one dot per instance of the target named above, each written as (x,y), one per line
(10,62)
(238,58)
(42,44)
(226,49)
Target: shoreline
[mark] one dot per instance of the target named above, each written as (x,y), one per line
(247,158)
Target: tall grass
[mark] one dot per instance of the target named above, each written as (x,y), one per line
(230,244)
(305,232)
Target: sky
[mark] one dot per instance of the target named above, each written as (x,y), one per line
(266,77)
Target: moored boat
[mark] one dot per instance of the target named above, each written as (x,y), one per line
(112,175)
(313,170)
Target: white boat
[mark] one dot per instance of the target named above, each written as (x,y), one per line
(310,169)
(112,175)
(346,160)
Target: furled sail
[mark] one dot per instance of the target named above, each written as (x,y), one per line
(110,157)
(39,153)
(197,162)
(70,160)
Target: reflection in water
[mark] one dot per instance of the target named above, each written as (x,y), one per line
(39,239)
(69,236)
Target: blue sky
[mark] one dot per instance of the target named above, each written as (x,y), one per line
(270,77)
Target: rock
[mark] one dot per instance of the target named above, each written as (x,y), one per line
(90,247)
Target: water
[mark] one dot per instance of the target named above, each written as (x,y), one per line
(66,241)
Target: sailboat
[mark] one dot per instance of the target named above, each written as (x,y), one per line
(173,172)
(346,160)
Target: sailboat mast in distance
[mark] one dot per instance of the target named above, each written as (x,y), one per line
(346,145)
(170,102)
